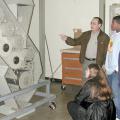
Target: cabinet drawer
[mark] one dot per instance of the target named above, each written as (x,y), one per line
(72,70)
(72,75)
(71,63)
(70,55)
(72,82)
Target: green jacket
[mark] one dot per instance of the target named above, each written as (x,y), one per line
(103,41)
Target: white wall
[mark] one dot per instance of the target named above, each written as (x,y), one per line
(108,3)
(61,16)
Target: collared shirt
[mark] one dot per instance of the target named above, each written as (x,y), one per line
(91,50)
(113,53)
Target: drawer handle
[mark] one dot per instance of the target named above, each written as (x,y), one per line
(72,68)
(72,78)
(70,58)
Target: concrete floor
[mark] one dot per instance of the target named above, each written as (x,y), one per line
(62,98)
(60,113)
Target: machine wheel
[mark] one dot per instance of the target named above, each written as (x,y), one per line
(63,87)
(52,106)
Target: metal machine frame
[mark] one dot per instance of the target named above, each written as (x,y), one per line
(20,64)
(47,97)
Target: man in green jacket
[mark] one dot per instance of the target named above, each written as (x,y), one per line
(94,44)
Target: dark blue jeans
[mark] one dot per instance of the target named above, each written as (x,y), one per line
(114,83)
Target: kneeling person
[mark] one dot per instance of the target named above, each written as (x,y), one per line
(94,98)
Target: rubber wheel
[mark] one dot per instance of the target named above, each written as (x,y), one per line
(63,87)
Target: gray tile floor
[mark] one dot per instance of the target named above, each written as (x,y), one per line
(60,113)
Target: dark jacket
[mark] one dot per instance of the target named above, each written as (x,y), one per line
(96,109)
(84,94)
(103,40)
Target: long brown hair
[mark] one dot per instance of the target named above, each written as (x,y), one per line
(103,91)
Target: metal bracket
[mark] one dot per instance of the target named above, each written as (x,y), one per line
(47,97)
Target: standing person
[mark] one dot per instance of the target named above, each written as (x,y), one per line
(119,70)
(94,44)
(94,100)
(111,64)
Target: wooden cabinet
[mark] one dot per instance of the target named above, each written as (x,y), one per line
(71,68)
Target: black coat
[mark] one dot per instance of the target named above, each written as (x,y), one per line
(95,109)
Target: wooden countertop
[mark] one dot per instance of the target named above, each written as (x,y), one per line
(75,49)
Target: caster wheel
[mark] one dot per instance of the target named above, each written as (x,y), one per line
(63,87)
(52,106)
